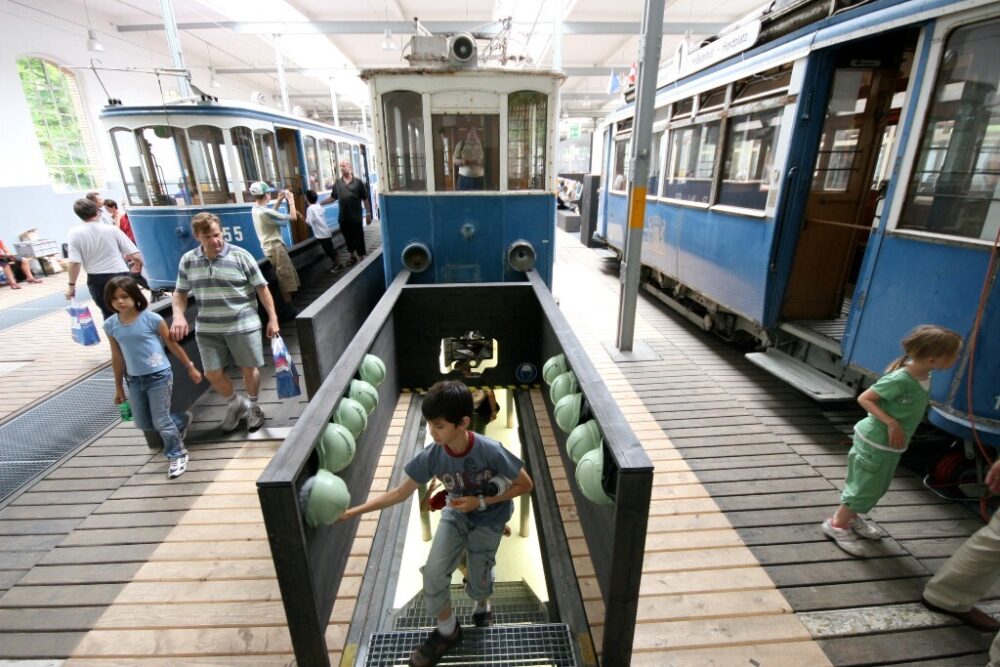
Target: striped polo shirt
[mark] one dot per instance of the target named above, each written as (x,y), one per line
(225,288)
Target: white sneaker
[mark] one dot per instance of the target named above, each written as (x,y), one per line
(845,538)
(255,418)
(178,466)
(233,415)
(866,528)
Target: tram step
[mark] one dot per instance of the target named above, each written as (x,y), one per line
(539,644)
(803,377)
(513,602)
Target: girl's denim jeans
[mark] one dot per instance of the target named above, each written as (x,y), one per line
(149,397)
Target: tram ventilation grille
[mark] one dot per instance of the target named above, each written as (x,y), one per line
(33,441)
(540,644)
(513,602)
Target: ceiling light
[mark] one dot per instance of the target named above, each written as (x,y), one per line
(92,43)
(387,43)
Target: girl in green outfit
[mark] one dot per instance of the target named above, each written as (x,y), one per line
(895,406)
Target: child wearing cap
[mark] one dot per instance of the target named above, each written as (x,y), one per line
(472,521)
(268,222)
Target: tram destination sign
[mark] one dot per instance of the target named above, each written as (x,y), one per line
(684,63)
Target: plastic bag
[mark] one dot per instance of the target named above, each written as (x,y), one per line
(83,329)
(286,376)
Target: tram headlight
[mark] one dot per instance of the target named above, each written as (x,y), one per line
(462,50)
(521,255)
(416,257)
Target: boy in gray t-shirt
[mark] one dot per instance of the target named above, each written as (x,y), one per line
(473,520)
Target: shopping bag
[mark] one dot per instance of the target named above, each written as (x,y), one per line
(83,329)
(285,374)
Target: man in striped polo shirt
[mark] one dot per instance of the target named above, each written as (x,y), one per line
(223,278)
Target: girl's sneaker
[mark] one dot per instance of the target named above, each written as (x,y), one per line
(845,538)
(866,528)
(178,466)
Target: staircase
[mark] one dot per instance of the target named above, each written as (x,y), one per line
(522,635)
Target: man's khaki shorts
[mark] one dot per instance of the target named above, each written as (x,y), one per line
(288,277)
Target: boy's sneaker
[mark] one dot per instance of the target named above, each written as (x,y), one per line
(845,538)
(434,647)
(255,418)
(866,528)
(178,466)
(483,619)
(233,413)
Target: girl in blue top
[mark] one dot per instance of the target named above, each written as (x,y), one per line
(137,338)
(895,406)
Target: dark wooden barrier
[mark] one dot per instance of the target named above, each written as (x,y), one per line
(616,535)
(310,563)
(327,326)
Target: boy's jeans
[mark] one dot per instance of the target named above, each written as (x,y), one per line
(455,535)
(149,398)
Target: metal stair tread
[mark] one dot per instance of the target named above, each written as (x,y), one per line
(538,644)
(800,375)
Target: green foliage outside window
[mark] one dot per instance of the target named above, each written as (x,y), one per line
(61,129)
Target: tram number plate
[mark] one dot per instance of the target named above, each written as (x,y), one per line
(232,234)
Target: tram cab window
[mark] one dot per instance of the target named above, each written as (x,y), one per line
(691,162)
(245,171)
(289,170)
(955,185)
(327,165)
(473,158)
(655,164)
(750,143)
(359,168)
(527,115)
(208,159)
(166,164)
(619,181)
(312,163)
(130,164)
(403,112)
(267,157)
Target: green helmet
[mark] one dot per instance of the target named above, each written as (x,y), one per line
(582,439)
(336,448)
(588,477)
(567,412)
(365,394)
(554,367)
(351,414)
(327,499)
(563,385)
(372,370)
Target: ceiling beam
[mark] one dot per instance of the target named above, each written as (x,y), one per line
(577,70)
(437,27)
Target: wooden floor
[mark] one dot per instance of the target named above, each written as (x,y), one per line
(105,562)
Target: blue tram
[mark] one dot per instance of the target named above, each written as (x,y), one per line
(827,176)
(179,159)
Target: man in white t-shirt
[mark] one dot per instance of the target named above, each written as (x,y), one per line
(101,250)
(316,219)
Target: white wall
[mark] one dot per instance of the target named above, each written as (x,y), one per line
(58,33)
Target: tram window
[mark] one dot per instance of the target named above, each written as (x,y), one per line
(475,151)
(312,163)
(619,181)
(771,82)
(245,170)
(130,164)
(327,164)
(527,114)
(267,156)
(955,185)
(206,145)
(359,168)
(652,187)
(713,99)
(289,169)
(661,145)
(691,162)
(683,108)
(164,151)
(750,143)
(403,111)
(838,149)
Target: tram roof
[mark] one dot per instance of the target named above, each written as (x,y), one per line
(367,74)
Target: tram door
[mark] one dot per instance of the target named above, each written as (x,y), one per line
(859,128)
(291,177)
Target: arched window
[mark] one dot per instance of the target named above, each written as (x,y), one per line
(60,124)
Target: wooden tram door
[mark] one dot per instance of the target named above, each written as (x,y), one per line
(857,136)
(291,177)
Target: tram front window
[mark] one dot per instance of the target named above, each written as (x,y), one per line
(267,156)
(130,164)
(527,121)
(246,170)
(163,148)
(404,138)
(208,158)
(473,161)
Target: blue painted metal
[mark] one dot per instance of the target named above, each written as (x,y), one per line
(468,234)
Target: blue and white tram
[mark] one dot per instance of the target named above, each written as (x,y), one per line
(467,154)
(826,177)
(179,159)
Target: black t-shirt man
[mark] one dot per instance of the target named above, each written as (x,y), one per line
(351,195)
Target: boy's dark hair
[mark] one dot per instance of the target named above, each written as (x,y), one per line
(110,203)
(311,196)
(449,400)
(131,288)
(85,209)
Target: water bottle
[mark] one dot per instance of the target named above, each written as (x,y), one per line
(126,411)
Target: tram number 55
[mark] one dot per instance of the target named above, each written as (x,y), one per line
(232,234)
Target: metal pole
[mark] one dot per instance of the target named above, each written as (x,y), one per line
(526,515)
(425,515)
(364,119)
(557,34)
(174,45)
(642,137)
(280,62)
(333,100)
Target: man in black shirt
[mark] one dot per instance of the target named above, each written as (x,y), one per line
(352,193)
